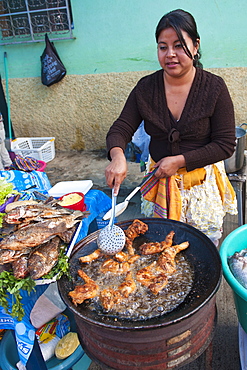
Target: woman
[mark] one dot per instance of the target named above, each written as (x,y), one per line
(189,116)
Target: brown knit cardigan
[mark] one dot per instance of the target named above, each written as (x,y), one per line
(205,133)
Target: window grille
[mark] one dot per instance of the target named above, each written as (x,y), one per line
(25,21)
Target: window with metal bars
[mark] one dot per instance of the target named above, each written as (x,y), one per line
(25,21)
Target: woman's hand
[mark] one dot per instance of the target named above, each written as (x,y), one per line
(116,171)
(168,166)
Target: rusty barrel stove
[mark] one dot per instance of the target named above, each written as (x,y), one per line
(166,342)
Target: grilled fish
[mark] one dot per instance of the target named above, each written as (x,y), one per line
(35,234)
(19,267)
(30,212)
(43,259)
(8,255)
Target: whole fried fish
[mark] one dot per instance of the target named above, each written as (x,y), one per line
(238,265)
(19,267)
(8,255)
(67,235)
(30,212)
(44,258)
(38,233)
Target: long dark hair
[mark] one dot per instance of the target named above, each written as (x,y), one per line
(180,20)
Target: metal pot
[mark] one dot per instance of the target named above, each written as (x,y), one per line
(236,161)
(168,341)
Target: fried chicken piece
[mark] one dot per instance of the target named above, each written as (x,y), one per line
(128,286)
(136,229)
(134,258)
(109,266)
(158,283)
(153,278)
(91,257)
(121,256)
(155,247)
(167,258)
(109,298)
(145,276)
(129,246)
(86,291)
(115,267)
(124,257)
(151,248)
(124,267)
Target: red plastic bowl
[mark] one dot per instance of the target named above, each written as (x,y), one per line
(78,206)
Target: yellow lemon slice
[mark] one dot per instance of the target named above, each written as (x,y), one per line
(66,345)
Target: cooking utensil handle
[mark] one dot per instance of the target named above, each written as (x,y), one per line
(141,184)
(148,177)
(73,241)
(113,205)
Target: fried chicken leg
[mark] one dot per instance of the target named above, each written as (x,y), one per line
(86,291)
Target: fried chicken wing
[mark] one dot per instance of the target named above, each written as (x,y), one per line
(128,286)
(124,267)
(115,267)
(146,275)
(86,291)
(109,298)
(91,257)
(151,248)
(109,266)
(155,247)
(152,277)
(134,258)
(136,229)
(121,256)
(167,258)
(158,283)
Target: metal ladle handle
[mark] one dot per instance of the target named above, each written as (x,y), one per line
(113,206)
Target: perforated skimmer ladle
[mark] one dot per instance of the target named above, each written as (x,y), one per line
(111,238)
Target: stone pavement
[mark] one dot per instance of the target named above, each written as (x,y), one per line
(67,166)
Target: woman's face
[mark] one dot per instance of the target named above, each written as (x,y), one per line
(171,55)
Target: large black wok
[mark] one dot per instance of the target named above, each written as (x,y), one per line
(202,254)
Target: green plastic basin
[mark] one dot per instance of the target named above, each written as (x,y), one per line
(235,242)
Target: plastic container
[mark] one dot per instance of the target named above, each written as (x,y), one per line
(235,242)
(42,166)
(9,355)
(65,187)
(41,148)
(78,206)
